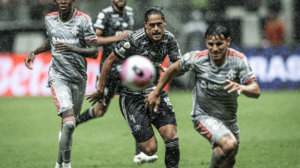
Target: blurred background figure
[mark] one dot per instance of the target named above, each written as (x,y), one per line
(274,28)
(192,38)
(193,32)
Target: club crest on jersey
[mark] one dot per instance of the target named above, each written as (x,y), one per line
(163,51)
(231,75)
(74,31)
(127,45)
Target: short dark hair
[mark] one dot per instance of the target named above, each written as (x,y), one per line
(217,29)
(152,11)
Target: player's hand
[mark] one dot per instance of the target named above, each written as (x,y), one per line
(152,100)
(95,97)
(123,34)
(233,86)
(62,47)
(163,69)
(29,58)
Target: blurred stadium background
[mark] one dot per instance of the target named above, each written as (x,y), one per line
(269,126)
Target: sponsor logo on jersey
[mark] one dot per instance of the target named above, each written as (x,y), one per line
(231,75)
(74,31)
(127,45)
(204,85)
(68,41)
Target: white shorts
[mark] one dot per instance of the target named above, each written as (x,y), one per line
(213,129)
(68,95)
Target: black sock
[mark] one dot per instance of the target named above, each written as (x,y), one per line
(172,153)
(137,148)
(85,116)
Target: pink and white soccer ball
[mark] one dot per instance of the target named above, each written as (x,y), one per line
(137,72)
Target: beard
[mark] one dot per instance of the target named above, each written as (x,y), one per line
(120,7)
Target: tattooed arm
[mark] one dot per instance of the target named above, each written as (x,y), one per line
(43,48)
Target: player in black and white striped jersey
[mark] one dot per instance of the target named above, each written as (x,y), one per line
(112,25)
(155,43)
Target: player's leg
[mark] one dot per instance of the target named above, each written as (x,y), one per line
(99,110)
(62,96)
(222,139)
(172,154)
(137,118)
(166,124)
(230,161)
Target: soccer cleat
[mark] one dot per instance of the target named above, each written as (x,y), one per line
(142,158)
(66,165)
(57,165)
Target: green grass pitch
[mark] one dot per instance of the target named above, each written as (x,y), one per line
(269,133)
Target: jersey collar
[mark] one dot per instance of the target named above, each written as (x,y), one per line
(75,10)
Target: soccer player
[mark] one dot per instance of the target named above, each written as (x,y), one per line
(72,39)
(218,72)
(112,25)
(155,43)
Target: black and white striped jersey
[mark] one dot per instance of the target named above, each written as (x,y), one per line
(138,43)
(113,23)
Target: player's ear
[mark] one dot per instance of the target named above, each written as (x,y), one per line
(145,24)
(165,22)
(228,41)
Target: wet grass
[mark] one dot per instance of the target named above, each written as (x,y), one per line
(269,133)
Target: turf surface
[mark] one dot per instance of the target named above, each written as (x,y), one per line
(269,133)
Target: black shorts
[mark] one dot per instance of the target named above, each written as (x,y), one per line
(112,86)
(140,119)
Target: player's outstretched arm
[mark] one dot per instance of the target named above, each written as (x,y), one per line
(43,48)
(153,99)
(90,52)
(99,93)
(251,90)
(101,40)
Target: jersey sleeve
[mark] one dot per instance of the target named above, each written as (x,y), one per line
(246,74)
(125,47)
(88,31)
(174,51)
(187,62)
(100,21)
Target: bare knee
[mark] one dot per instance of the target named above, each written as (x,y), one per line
(150,150)
(228,144)
(168,132)
(149,147)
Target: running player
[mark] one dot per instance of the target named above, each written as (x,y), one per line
(72,39)
(156,43)
(112,25)
(218,72)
